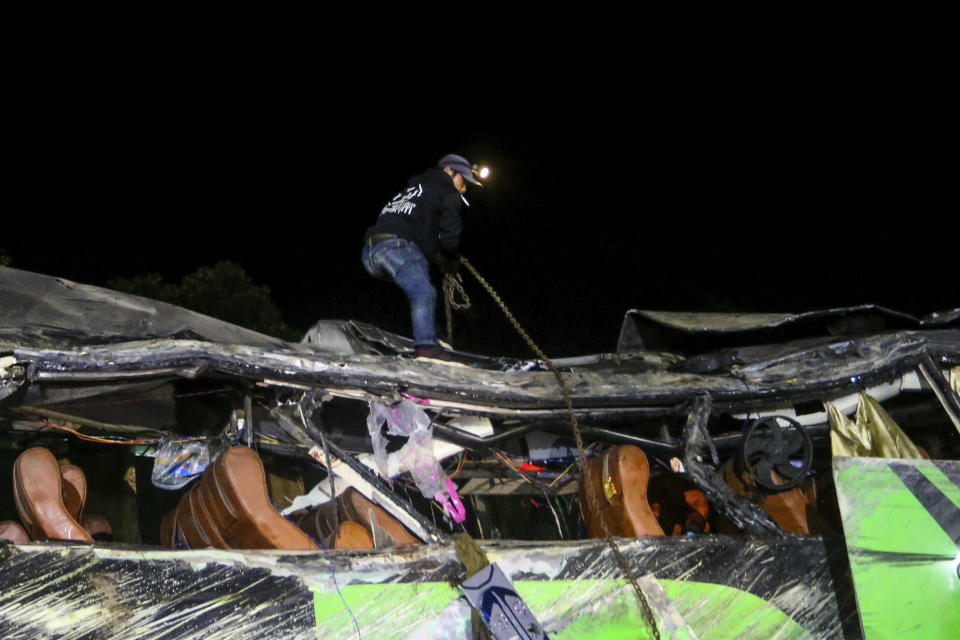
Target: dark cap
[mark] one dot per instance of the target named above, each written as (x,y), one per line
(459,164)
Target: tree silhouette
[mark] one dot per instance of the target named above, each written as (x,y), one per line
(223,291)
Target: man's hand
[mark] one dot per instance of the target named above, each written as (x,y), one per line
(449,262)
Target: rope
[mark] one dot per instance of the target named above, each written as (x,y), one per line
(473,559)
(593,501)
(470,554)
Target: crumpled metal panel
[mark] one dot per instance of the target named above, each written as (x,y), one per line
(76,591)
(704,321)
(717,586)
(671,329)
(824,370)
(901,520)
(42,310)
(72,332)
(335,337)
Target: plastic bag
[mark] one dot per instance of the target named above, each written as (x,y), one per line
(407,419)
(402,419)
(177,462)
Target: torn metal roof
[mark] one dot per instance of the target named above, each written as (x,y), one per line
(39,310)
(65,331)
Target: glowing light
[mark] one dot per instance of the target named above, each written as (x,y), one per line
(481,172)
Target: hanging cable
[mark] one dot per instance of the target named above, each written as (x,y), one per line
(102,440)
(333,576)
(326,455)
(333,496)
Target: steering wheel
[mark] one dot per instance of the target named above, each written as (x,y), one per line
(767,447)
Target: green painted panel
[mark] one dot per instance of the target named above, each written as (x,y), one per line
(942,482)
(717,612)
(906,600)
(597,609)
(711,610)
(904,564)
(390,610)
(881,514)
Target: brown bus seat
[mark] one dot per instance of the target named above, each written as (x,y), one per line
(618,480)
(12,532)
(354,507)
(38,491)
(228,508)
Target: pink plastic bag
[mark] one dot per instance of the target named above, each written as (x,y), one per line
(407,419)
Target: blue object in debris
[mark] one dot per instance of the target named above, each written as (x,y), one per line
(507,616)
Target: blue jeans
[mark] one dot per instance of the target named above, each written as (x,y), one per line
(402,261)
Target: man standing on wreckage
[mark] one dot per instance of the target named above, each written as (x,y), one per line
(422,220)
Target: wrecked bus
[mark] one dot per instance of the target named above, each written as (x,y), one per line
(765,475)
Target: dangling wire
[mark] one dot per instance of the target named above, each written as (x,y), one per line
(556,518)
(336,515)
(333,576)
(326,455)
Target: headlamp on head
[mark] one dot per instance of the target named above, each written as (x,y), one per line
(472,173)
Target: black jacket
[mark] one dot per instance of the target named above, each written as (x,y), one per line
(427,212)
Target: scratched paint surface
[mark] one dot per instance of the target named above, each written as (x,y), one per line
(67,592)
(568,609)
(901,520)
(722,586)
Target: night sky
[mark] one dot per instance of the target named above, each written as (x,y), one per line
(724,188)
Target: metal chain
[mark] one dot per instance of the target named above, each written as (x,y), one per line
(593,501)
(452,286)
(449,314)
